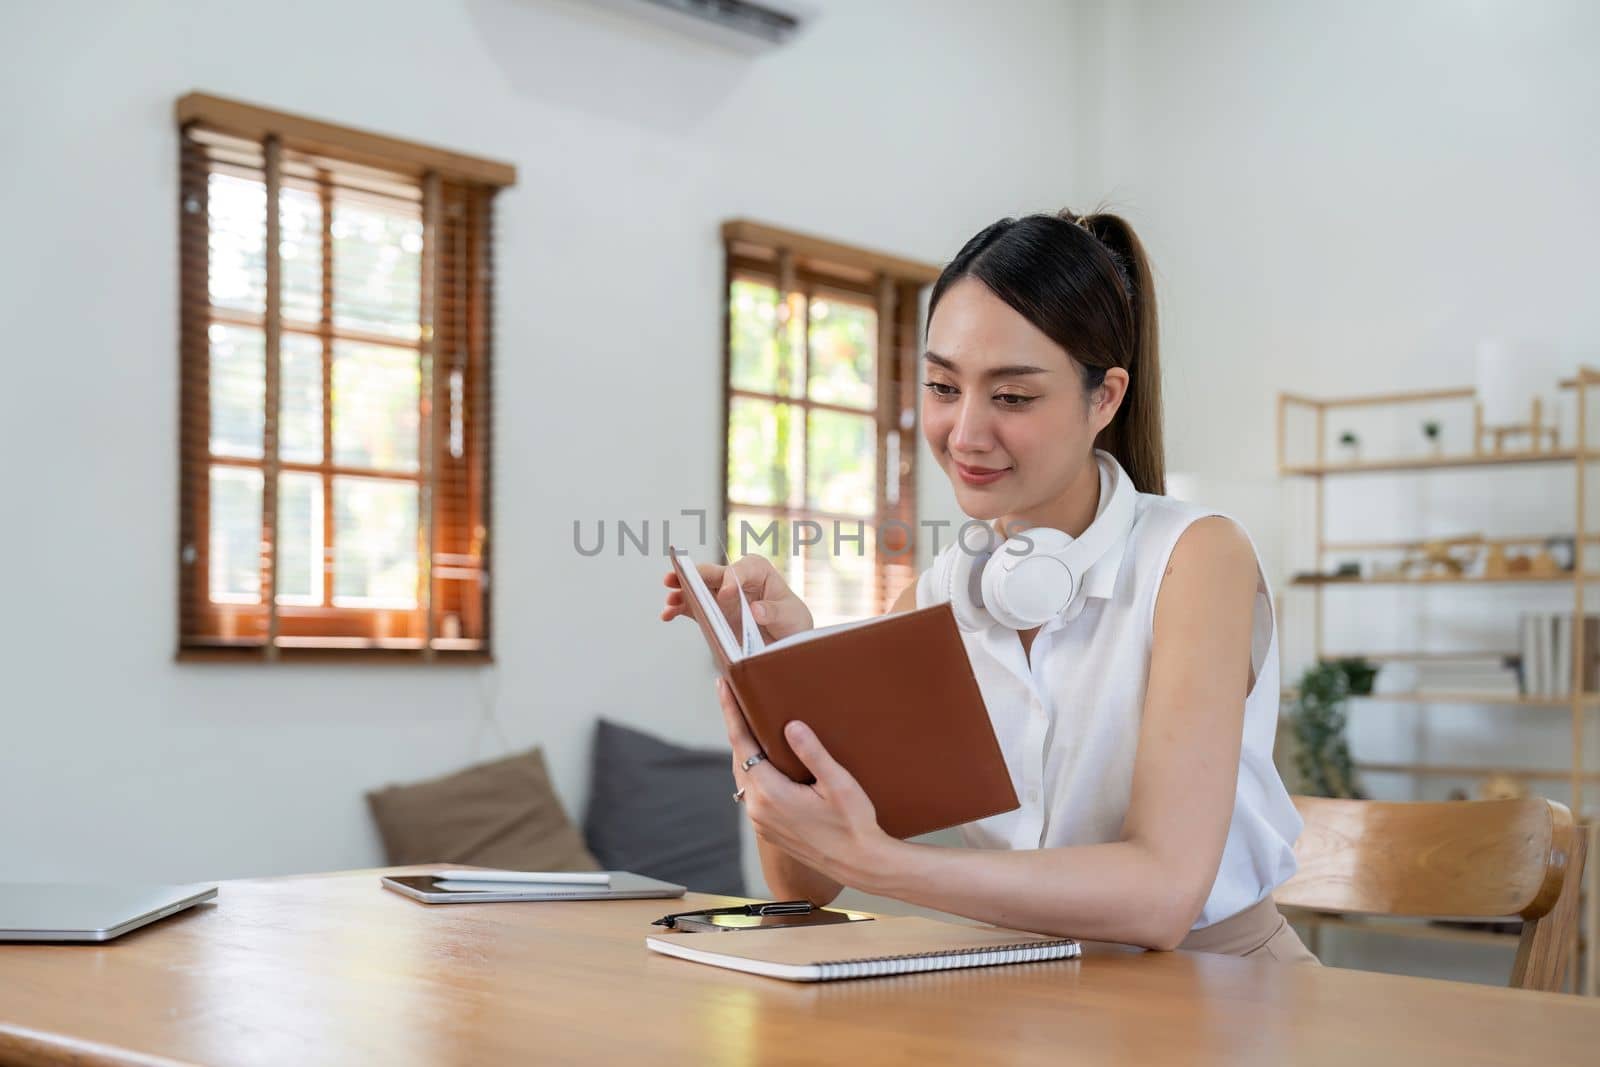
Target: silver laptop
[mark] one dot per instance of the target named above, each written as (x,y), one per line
(43,911)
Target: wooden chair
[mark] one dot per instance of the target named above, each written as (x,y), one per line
(1469,859)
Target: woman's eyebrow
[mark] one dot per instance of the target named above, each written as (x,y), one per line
(1013,371)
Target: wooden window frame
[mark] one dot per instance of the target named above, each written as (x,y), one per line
(892,285)
(454,195)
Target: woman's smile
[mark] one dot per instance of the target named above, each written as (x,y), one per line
(979,475)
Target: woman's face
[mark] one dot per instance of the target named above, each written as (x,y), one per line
(1005,411)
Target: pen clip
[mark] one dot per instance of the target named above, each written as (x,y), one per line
(785,907)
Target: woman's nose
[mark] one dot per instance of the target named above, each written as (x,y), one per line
(971,432)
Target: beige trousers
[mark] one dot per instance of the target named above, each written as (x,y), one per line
(1259,931)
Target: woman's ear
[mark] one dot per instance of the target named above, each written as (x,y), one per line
(1105,402)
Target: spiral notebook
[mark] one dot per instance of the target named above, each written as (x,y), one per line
(863,950)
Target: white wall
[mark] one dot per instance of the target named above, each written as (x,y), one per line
(898,125)
(1343,199)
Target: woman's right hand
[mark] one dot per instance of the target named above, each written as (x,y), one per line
(777,610)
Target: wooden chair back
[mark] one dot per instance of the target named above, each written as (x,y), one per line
(1469,859)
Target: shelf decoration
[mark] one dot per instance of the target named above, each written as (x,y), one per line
(1564,550)
(1506,389)
(1431,430)
(1442,558)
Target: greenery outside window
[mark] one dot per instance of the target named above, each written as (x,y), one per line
(821,349)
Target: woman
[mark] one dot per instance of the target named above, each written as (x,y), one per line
(1136,717)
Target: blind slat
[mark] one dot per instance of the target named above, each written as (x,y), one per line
(269,438)
(427,397)
(342,143)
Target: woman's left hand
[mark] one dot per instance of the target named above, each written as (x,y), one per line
(830,826)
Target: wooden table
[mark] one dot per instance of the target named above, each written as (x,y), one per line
(334,969)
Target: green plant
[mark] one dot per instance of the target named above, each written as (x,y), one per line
(1322,755)
(1359,672)
(1430,430)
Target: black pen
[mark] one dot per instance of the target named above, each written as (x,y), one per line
(780,907)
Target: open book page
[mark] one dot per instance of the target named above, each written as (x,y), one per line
(749,642)
(823,631)
(709,606)
(753,641)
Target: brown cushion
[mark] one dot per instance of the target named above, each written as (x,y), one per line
(499,814)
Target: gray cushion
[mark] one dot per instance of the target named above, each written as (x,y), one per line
(665,811)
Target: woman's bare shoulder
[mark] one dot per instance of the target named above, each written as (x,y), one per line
(1211,541)
(1212,561)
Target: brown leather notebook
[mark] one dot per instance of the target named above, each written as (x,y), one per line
(892,699)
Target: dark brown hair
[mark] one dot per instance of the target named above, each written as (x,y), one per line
(1084,281)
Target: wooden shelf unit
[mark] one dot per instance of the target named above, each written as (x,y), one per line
(1509,579)
(1484,699)
(1580,456)
(1405,465)
(1462,770)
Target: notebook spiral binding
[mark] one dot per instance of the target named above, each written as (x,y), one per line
(917,962)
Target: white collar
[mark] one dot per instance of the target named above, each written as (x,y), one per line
(1100,580)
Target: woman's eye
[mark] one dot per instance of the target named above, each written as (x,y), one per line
(940,389)
(1014,400)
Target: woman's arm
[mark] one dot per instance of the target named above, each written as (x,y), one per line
(787,877)
(1146,888)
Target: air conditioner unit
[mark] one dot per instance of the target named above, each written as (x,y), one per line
(748,26)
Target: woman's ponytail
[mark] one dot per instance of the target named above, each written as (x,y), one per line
(1134,436)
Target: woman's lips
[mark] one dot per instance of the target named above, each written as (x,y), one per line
(980,475)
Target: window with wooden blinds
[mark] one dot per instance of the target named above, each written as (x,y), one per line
(336,390)
(821,348)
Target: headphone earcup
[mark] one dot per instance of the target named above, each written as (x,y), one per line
(956,579)
(964,590)
(1027,584)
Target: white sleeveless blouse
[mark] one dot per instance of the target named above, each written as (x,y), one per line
(1067,717)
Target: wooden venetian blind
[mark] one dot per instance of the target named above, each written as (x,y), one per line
(336,389)
(821,401)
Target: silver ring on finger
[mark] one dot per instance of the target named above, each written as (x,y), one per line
(753,760)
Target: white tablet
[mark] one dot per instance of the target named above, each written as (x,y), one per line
(435,889)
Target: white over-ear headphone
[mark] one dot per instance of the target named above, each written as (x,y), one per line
(1032,578)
